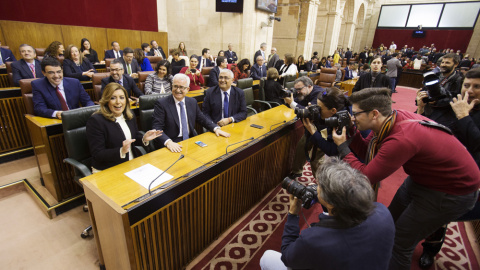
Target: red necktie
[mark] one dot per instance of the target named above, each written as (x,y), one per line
(62,100)
(33,70)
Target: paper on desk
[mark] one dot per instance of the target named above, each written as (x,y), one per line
(145,174)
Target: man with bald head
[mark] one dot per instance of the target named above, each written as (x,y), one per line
(231,55)
(224,103)
(272,58)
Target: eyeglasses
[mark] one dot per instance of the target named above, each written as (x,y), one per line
(179,87)
(116,69)
(354,114)
(299,89)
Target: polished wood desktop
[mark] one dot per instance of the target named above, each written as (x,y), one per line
(209,191)
(348,85)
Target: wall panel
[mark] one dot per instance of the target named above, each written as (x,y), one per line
(126,38)
(96,36)
(161,39)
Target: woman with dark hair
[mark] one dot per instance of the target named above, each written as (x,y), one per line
(182,50)
(159,82)
(301,63)
(177,63)
(240,70)
(289,67)
(221,53)
(273,89)
(112,130)
(77,66)
(323,63)
(196,78)
(88,52)
(374,78)
(142,60)
(55,50)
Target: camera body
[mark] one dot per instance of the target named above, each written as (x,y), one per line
(339,120)
(431,83)
(311,112)
(288,93)
(308,194)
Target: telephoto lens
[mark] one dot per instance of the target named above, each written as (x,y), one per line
(308,194)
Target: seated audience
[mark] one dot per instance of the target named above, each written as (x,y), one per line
(54,94)
(28,67)
(6,55)
(323,63)
(205,59)
(338,75)
(240,70)
(374,78)
(259,69)
(112,130)
(273,89)
(353,223)
(301,63)
(221,53)
(142,60)
(312,65)
(177,63)
(115,52)
(54,50)
(76,66)
(159,82)
(182,50)
(156,50)
(215,72)
(88,52)
(117,76)
(195,76)
(349,72)
(130,64)
(289,67)
(145,49)
(231,55)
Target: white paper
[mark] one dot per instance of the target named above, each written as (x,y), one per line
(145,174)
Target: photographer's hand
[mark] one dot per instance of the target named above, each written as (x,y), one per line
(461,107)
(309,126)
(295,205)
(289,100)
(420,104)
(339,139)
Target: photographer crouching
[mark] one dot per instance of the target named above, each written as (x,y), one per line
(356,234)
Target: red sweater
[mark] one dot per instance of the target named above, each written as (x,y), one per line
(431,157)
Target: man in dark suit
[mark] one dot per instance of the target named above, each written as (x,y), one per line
(130,64)
(54,94)
(259,69)
(204,60)
(115,52)
(224,103)
(156,50)
(6,55)
(272,58)
(312,65)
(348,72)
(169,116)
(263,48)
(231,55)
(215,72)
(348,55)
(28,67)
(117,75)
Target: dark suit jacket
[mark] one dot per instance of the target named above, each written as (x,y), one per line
(348,55)
(213,77)
(7,55)
(273,61)
(212,104)
(231,57)
(70,69)
(259,52)
(135,67)
(152,52)
(348,74)
(105,138)
(165,117)
(309,66)
(208,62)
(255,72)
(21,70)
(45,100)
(128,83)
(110,54)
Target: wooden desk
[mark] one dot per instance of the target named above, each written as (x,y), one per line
(13,129)
(348,85)
(411,78)
(210,191)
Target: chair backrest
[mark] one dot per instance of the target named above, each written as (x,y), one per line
(327,77)
(75,132)
(302,73)
(40,52)
(26,89)
(40,58)
(108,61)
(261,89)
(289,78)
(343,74)
(154,60)
(142,77)
(290,85)
(146,106)
(249,98)
(97,84)
(206,74)
(9,72)
(245,83)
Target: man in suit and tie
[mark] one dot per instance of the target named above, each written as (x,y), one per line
(115,52)
(6,55)
(312,65)
(156,50)
(258,70)
(204,60)
(231,55)
(272,58)
(263,48)
(28,67)
(224,103)
(348,72)
(348,55)
(177,114)
(54,94)
(130,65)
(117,76)
(215,72)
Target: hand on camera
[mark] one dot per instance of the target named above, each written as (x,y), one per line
(309,125)
(289,100)
(339,139)
(295,205)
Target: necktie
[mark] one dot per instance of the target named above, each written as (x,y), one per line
(225,105)
(62,100)
(33,70)
(183,119)
(261,75)
(117,54)
(1,60)
(129,70)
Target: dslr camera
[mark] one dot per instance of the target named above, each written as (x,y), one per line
(431,83)
(308,194)
(311,112)
(287,93)
(339,120)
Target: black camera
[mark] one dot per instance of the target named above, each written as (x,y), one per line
(312,112)
(193,70)
(339,120)
(308,194)
(288,93)
(431,83)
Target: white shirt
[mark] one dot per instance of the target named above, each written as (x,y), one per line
(62,91)
(292,70)
(117,54)
(128,135)
(177,106)
(223,98)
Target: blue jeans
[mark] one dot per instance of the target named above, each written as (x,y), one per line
(393,83)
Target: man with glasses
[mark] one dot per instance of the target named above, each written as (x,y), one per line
(224,103)
(54,94)
(130,65)
(177,114)
(307,93)
(443,178)
(117,76)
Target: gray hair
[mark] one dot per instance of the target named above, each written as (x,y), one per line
(305,80)
(181,77)
(117,61)
(263,45)
(347,190)
(226,70)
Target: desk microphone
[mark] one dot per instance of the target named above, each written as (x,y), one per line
(283,122)
(149,192)
(226,149)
